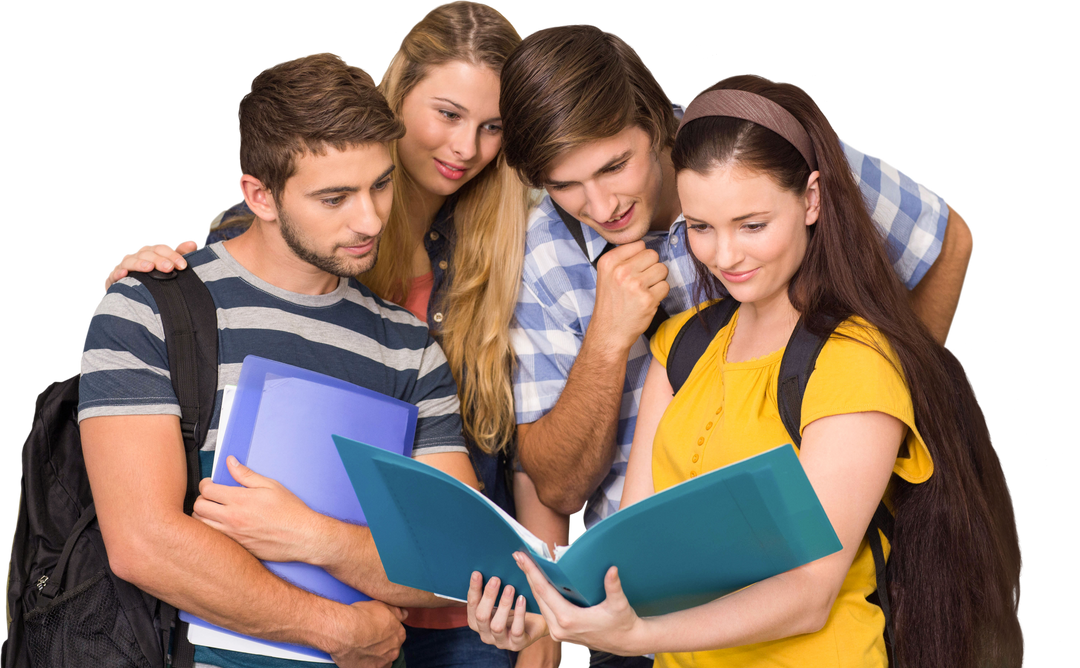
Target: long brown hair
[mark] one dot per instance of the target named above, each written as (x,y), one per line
(954,570)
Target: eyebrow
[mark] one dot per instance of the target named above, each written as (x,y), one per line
(734,220)
(332,190)
(447,100)
(625,155)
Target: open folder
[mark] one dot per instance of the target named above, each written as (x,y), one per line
(280,426)
(685,546)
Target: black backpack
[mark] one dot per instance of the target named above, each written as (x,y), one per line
(800,357)
(65,606)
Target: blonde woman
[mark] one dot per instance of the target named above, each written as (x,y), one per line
(451,253)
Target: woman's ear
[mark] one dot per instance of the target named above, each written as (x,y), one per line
(812,198)
(258,198)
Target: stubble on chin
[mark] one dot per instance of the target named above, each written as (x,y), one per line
(348,266)
(332,263)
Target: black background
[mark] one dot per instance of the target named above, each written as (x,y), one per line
(121,136)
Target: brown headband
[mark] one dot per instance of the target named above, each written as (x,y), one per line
(756,109)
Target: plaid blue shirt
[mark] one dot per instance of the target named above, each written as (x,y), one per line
(559,290)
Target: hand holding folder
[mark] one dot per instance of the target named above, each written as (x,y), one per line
(280,426)
(685,546)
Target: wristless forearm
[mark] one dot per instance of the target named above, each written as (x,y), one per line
(569,450)
(348,552)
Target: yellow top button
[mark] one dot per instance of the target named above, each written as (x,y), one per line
(719,409)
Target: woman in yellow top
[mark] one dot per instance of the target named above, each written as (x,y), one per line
(775,220)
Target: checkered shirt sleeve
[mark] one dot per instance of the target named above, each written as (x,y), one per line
(908,215)
(553,311)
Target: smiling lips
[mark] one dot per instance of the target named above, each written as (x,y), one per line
(360,249)
(739,277)
(449,170)
(619,222)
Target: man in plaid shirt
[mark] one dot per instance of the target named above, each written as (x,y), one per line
(584,119)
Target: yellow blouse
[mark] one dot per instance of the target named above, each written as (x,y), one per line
(726,412)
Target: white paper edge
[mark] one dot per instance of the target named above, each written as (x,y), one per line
(227,394)
(450,598)
(207,637)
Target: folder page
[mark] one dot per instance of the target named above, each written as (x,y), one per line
(682,547)
(431,530)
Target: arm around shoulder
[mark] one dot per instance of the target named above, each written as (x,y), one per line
(937,295)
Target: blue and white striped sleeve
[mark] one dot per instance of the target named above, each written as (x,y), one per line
(125,367)
(438,420)
(909,216)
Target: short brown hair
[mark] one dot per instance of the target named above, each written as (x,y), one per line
(568,86)
(305,105)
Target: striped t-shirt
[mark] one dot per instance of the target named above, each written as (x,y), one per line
(349,334)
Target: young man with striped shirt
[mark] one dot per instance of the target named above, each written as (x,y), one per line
(318,176)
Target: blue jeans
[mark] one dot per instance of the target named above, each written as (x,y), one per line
(599,659)
(451,648)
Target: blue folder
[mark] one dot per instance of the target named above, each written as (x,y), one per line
(685,546)
(281,426)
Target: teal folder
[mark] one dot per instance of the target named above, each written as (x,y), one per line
(688,545)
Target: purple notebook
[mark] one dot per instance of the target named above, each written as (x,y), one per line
(280,426)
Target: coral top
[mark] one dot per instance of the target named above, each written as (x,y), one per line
(429,618)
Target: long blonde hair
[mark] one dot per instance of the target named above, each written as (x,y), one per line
(489,222)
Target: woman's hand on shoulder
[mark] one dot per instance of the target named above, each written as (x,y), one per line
(160,257)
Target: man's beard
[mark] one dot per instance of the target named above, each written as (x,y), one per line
(331,264)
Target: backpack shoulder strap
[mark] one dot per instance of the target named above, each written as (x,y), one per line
(800,357)
(798,362)
(189,319)
(574,225)
(694,337)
